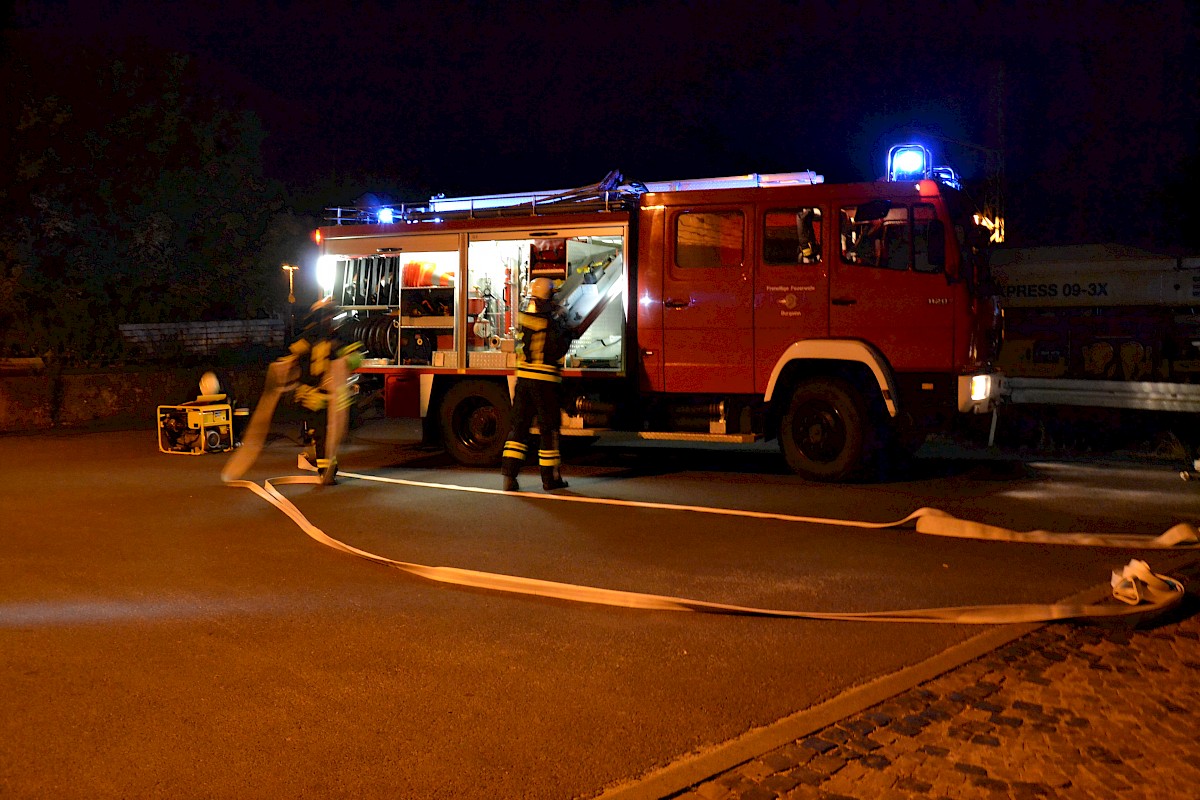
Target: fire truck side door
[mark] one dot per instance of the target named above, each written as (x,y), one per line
(707,295)
(791,284)
(884,290)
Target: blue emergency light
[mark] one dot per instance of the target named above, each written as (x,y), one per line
(386,216)
(909,162)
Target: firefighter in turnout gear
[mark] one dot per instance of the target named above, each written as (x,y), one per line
(545,338)
(312,357)
(316,373)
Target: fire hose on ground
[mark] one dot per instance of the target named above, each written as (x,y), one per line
(1139,590)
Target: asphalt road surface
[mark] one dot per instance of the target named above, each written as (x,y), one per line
(163,635)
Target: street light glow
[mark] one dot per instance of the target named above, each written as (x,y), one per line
(291,271)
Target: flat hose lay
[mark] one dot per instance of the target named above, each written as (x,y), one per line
(1140,590)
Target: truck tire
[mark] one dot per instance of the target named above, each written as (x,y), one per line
(824,431)
(474,417)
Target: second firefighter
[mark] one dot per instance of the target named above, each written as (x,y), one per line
(545,339)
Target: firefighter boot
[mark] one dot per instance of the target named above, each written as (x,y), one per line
(509,467)
(549,459)
(552,479)
(308,459)
(326,467)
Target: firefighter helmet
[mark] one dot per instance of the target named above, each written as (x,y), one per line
(210,383)
(541,288)
(319,322)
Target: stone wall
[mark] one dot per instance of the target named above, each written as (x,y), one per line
(207,338)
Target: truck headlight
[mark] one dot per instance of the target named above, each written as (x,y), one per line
(981,387)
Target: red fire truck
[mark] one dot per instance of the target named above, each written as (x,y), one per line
(840,320)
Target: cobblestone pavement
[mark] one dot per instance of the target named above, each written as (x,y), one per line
(1068,711)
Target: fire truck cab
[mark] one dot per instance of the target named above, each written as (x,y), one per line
(840,319)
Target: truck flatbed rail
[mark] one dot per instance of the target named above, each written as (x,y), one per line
(1142,395)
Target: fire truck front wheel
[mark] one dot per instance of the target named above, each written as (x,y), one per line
(474,417)
(823,431)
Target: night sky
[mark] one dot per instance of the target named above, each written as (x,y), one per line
(1093,104)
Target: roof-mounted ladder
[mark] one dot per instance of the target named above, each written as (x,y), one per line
(612,193)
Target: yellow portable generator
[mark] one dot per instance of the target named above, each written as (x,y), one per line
(204,425)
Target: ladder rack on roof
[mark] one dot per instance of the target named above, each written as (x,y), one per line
(752,181)
(610,194)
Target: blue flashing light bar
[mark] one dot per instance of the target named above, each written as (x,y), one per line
(386,216)
(909,162)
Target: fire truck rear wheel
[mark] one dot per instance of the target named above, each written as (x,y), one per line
(474,418)
(824,430)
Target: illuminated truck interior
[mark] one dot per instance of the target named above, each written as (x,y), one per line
(403,302)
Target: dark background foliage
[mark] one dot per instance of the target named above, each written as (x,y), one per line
(134,193)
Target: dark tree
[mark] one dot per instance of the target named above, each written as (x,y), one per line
(133,193)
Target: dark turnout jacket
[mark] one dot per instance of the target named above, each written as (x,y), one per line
(545,339)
